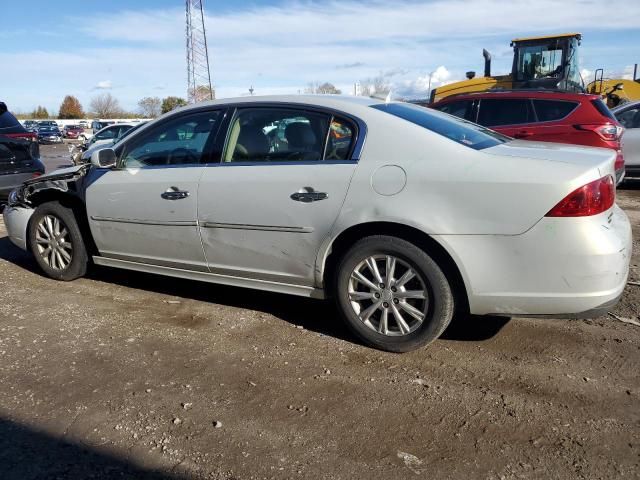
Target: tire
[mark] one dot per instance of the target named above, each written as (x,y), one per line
(363,305)
(70,261)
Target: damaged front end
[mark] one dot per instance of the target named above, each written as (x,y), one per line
(67,181)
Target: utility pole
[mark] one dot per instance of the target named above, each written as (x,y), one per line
(199,86)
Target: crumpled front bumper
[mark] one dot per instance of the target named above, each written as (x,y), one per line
(16,221)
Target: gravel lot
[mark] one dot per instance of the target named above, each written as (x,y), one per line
(127,375)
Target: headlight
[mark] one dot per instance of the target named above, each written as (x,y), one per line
(13,197)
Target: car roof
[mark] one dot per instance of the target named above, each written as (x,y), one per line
(624,106)
(523,93)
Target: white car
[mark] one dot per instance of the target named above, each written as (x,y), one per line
(404,215)
(628,115)
(109,135)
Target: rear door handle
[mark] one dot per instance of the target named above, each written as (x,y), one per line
(308,195)
(174,193)
(523,134)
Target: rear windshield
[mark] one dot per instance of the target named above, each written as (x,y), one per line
(460,131)
(603,109)
(9,124)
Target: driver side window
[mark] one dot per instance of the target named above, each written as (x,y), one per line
(180,141)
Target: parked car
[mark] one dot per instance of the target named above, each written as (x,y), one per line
(49,135)
(47,123)
(628,115)
(109,135)
(72,131)
(412,215)
(85,156)
(19,154)
(545,116)
(11,127)
(31,125)
(100,124)
(83,124)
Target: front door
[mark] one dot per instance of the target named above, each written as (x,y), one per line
(265,210)
(146,210)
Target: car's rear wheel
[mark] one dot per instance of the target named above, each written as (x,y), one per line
(392,294)
(56,242)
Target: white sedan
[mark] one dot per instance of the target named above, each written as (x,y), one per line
(403,215)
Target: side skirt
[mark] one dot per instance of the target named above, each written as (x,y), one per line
(212,278)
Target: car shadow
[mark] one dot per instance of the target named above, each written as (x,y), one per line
(317,316)
(27,454)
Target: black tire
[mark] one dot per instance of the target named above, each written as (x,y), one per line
(438,309)
(77,266)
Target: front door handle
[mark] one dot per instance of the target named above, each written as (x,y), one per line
(308,195)
(174,193)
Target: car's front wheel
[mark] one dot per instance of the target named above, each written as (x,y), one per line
(392,294)
(56,242)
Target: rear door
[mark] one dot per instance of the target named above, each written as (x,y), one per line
(265,210)
(553,123)
(510,116)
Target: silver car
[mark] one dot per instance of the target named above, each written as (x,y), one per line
(403,215)
(628,115)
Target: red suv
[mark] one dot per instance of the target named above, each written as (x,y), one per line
(545,116)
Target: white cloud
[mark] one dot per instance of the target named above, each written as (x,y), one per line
(103,85)
(280,49)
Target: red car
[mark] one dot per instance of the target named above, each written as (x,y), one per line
(72,131)
(545,116)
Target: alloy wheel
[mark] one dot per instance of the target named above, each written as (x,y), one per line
(388,295)
(53,242)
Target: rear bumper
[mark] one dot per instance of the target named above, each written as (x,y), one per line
(560,267)
(16,220)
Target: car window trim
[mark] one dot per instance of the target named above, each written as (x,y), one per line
(207,150)
(576,103)
(355,150)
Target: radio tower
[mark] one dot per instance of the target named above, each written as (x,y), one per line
(199,86)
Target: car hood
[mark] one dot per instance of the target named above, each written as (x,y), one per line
(60,174)
(557,152)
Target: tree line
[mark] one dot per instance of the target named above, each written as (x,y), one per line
(107,106)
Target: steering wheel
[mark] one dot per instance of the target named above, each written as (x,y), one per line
(187,156)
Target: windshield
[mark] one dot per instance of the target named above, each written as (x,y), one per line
(539,61)
(460,131)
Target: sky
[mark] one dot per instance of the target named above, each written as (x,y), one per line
(136,48)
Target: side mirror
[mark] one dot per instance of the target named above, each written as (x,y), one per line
(104,158)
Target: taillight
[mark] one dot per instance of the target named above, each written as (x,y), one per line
(607,131)
(35,174)
(591,199)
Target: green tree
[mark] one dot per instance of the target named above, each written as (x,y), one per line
(169,103)
(70,108)
(40,112)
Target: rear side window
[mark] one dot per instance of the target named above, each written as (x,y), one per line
(630,118)
(549,110)
(603,109)
(505,111)
(460,131)
(461,109)
(9,124)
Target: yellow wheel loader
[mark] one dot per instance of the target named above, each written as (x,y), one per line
(547,62)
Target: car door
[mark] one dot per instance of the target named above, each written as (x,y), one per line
(629,118)
(146,209)
(509,116)
(266,208)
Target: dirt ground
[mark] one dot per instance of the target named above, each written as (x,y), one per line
(127,375)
